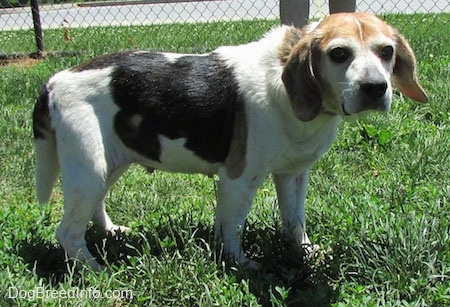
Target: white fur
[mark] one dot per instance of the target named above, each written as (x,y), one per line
(173,57)
(176,158)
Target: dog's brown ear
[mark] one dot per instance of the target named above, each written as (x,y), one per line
(301,82)
(405,71)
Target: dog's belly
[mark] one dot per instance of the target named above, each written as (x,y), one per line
(175,157)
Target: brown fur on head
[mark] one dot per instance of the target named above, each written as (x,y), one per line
(314,83)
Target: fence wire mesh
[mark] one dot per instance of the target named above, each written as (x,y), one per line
(77,25)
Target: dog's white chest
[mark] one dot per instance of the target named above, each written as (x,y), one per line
(302,151)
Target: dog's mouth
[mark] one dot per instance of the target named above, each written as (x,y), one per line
(350,117)
(365,107)
(345,111)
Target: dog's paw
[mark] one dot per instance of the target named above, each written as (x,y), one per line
(311,250)
(81,264)
(95,266)
(239,261)
(251,265)
(244,264)
(116,230)
(313,253)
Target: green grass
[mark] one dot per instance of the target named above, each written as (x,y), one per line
(198,38)
(378,202)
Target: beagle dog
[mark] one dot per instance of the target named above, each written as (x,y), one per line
(242,112)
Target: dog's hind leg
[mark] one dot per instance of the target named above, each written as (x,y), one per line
(103,221)
(101,218)
(84,188)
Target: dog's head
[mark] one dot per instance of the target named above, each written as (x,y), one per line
(344,66)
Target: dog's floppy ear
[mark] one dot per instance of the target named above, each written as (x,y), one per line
(405,71)
(300,80)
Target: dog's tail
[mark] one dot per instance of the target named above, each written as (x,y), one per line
(47,165)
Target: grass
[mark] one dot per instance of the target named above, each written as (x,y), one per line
(198,38)
(378,202)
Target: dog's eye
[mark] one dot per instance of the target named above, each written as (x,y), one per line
(387,53)
(339,54)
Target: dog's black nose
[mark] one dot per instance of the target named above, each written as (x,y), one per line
(374,90)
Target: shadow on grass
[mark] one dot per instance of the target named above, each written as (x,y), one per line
(286,279)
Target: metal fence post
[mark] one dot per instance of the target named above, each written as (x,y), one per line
(37,28)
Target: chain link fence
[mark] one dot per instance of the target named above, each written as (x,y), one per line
(77,26)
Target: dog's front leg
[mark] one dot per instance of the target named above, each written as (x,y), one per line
(234,199)
(291,192)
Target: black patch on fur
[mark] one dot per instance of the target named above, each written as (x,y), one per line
(41,115)
(103,61)
(193,97)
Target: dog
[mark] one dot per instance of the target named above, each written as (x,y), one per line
(269,107)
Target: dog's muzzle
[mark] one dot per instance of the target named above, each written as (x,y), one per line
(373,96)
(373,90)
